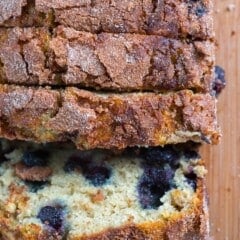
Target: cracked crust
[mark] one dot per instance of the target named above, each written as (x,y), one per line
(172,18)
(122,62)
(93,120)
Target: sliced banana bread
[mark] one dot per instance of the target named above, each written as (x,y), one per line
(173,18)
(119,62)
(142,194)
(98,120)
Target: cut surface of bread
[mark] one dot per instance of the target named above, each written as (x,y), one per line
(98,120)
(173,18)
(116,62)
(141,193)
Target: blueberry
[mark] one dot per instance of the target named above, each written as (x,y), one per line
(219,82)
(159,176)
(70,166)
(97,175)
(153,184)
(161,155)
(149,194)
(52,216)
(191,154)
(77,161)
(35,158)
(3,158)
(200,11)
(192,180)
(197,8)
(35,186)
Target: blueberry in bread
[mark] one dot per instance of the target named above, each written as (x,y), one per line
(140,193)
(171,18)
(117,62)
(106,120)
(219,82)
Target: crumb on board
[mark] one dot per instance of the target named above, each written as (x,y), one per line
(231,7)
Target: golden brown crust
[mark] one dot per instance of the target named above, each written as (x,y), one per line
(92,120)
(173,18)
(187,225)
(119,62)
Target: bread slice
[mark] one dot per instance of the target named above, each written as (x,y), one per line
(118,62)
(105,120)
(172,18)
(155,193)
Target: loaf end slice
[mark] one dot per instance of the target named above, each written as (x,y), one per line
(171,18)
(141,193)
(116,62)
(105,120)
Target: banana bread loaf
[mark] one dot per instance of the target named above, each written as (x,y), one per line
(119,62)
(171,18)
(105,120)
(142,194)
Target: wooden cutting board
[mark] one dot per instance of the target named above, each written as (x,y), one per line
(223,161)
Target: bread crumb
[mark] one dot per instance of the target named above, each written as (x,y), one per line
(180,198)
(231,7)
(98,197)
(200,171)
(11,207)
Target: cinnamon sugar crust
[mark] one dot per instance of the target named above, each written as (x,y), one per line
(97,120)
(169,18)
(116,62)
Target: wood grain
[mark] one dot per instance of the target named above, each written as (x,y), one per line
(224,160)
